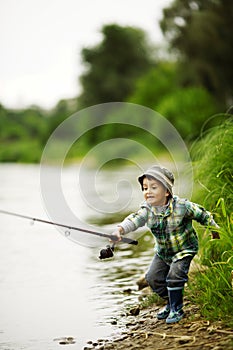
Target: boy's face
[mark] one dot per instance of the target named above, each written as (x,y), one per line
(154,192)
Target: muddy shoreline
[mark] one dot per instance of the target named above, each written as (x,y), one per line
(142,330)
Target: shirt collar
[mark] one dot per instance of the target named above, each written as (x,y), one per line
(168,210)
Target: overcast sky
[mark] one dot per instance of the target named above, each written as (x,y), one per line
(41,40)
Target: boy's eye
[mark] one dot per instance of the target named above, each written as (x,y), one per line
(146,188)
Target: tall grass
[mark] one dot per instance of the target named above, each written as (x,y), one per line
(213,166)
(213,169)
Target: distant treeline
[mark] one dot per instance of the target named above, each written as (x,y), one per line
(187,82)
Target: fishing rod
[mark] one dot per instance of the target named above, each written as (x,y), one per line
(111,237)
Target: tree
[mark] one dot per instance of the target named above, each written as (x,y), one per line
(113,66)
(22,134)
(199,32)
(154,85)
(188,109)
(62,110)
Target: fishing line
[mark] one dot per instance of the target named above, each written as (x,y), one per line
(69,228)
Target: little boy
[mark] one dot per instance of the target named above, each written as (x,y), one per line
(170,221)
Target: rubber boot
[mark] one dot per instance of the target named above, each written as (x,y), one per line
(176,304)
(164,312)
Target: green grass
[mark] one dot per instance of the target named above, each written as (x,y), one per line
(213,169)
(151,299)
(212,290)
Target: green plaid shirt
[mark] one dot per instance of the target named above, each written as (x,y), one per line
(174,234)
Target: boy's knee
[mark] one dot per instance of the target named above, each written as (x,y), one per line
(148,276)
(178,274)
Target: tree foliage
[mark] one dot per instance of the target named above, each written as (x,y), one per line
(187,109)
(199,33)
(113,65)
(154,85)
(22,134)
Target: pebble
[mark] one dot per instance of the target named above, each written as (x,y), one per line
(127,291)
(65,340)
(141,321)
(135,311)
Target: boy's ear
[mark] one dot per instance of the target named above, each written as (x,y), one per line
(167,193)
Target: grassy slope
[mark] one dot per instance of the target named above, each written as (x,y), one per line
(213,169)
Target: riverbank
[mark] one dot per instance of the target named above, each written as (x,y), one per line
(139,328)
(144,331)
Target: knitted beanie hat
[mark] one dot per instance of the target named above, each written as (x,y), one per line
(161,174)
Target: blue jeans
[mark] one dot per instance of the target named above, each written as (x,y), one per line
(161,275)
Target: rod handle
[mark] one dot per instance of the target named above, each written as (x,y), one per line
(129,240)
(125,240)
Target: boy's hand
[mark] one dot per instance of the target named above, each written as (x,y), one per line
(215,235)
(117,234)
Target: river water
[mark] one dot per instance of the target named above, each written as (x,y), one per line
(51,287)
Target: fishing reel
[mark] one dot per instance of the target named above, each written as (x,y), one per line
(107,252)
